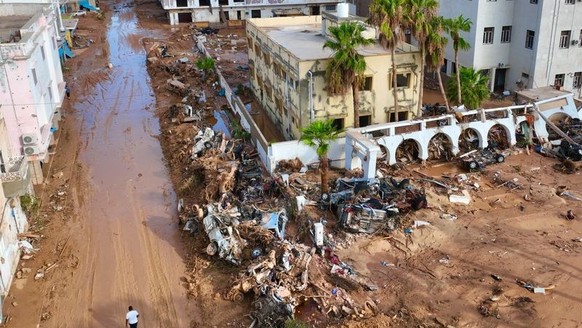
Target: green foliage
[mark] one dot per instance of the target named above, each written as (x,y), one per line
(474,88)
(346,63)
(206,64)
(30,205)
(319,134)
(454,27)
(294,323)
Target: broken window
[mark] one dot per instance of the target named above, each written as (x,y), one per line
(367,84)
(365,120)
(267,59)
(204,3)
(559,80)
(338,123)
(255,14)
(402,80)
(184,3)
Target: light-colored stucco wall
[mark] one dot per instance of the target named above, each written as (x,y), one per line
(292,87)
(547,18)
(29,106)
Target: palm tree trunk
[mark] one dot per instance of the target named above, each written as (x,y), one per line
(356,98)
(394,84)
(421,89)
(441,86)
(323,165)
(460,101)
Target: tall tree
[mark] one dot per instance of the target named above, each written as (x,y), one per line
(319,134)
(474,87)
(347,66)
(454,27)
(435,45)
(418,18)
(388,16)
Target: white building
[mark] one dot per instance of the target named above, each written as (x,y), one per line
(521,43)
(31,81)
(236,11)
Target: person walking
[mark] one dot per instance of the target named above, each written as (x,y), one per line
(131,318)
(68,92)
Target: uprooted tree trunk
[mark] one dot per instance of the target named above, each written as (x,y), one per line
(323,167)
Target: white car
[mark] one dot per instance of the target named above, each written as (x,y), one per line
(78,13)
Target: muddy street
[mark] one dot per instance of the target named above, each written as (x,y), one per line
(124,247)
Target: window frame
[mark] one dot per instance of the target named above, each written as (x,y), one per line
(559,79)
(506,34)
(565,39)
(488,35)
(530,37)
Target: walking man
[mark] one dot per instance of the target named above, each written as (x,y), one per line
(131,318)
(68,92)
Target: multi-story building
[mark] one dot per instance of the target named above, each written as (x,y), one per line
(287,68)
(236,11)
(521,44)
(31,82)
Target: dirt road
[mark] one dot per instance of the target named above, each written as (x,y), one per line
(123,246)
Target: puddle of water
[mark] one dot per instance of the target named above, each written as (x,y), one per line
(219,122)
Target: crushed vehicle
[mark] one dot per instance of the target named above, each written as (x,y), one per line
(224,237)
(364,218)
(346,188)
(205,140)
(275,222)
(477,160)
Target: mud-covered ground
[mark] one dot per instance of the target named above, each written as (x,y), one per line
(110,232)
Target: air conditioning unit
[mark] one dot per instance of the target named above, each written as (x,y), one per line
(29,139)
(574,42)
(31,150)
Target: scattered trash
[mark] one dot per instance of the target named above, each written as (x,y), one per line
(448,216)
(464,199)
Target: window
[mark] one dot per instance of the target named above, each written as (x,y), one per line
(565,40)
(34,76)
(184,3)
(444,67)
(488,35)
(577,80)
(338,123)
(42,52)
(367,84)
(559,81)
(525,76)
(529,39)
(365,120)
(506,34)
(267,59)
(580,39)
(258,50)
(453,68)
(255,14)
(570,2)
(403,80)
(223,2)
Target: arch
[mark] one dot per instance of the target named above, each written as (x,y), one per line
(440,146)
(408,150)
(498,136)
(469,139)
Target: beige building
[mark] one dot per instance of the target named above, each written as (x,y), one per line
(287,67)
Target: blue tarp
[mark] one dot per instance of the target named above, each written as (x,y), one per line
(85,4)
(64,50)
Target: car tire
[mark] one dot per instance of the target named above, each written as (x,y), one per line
(325,197)
(208,144)
(500,159)
(473,165)
(212,249)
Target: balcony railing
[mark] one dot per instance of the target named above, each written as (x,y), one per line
(16,169)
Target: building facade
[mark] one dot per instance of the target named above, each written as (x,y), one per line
(521,44)
(287,67)
(236,11)
(31,82)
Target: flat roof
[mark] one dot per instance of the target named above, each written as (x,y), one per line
(12,22)
(306,42)
(541,93)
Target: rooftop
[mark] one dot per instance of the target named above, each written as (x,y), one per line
(542,93)
(10,27)
(302,36)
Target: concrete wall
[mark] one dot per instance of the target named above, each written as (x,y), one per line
(31,84)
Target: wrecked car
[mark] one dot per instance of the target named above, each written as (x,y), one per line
(204,140)
(224,238)
(347,188)
(364,218)
(275,222)
(478,160)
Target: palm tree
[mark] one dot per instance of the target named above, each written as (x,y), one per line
(388,15)
(319,134)
(347,66)
(474,87)
(454,27)
(418,16)
(435,45)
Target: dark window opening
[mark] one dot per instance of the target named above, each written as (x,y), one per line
(223,2)
(184,18)
(315,11)
(367,84)
(402,116)
(365,120)
(2,165)
(181,3)
(255,14)
(204,3)
(239,15)
(444,67)
(403,80)
(338,123)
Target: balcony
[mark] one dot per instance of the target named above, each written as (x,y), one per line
(15,179)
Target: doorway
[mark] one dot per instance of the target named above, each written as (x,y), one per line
(499,83)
